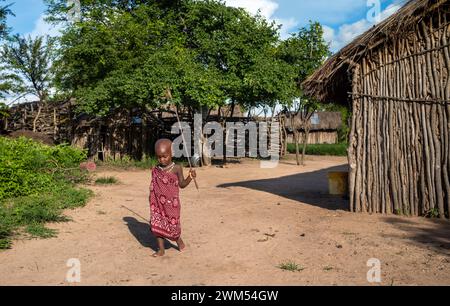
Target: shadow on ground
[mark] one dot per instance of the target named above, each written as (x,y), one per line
(433,235)
(220,162)
(309,188)
(141,231)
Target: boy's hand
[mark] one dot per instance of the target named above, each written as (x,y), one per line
(192,174)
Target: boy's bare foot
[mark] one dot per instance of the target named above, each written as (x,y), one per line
(181,245)
(160,253)
(161,249)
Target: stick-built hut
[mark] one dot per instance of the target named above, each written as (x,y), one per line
(122,133)
(324,128)
(396,78)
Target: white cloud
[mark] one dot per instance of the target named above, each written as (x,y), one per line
(286,26)
(43,28)
(326,11)
(14,100)
(348,32)
(267,9)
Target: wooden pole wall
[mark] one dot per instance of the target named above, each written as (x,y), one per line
(399,152)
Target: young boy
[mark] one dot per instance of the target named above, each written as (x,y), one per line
(167,178)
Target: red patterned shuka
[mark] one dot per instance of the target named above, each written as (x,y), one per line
(165,205)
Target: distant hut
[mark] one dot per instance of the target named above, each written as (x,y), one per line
(122,133)
(324,128)
(396,79)
(51,122)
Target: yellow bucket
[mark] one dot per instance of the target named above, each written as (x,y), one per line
(338,183)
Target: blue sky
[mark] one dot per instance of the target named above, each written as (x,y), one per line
(342,19)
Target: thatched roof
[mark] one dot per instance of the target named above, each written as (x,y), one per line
(332,81)
(326,121)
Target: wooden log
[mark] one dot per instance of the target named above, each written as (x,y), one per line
(446,55)
(435,143)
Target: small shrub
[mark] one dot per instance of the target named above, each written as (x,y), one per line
(74,197)
(432,213)
(5,234)
(38,230)
(5,243)
(36,183)
(30,168)
(328,268)
(106,180)
(339,149)
(126,162)
(291,266)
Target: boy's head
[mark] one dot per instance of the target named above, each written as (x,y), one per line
(163,149)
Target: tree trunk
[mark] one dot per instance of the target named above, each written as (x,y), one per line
(305,143)
(297,149)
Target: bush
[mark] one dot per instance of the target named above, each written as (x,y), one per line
(126,162)
(106,180)
(37,182)
(5,231)
(38,230)
(290,266)
(28,167)
(322,149)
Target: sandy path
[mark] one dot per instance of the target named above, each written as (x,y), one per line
(239,228)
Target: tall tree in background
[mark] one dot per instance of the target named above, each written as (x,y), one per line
(242,49)
(128,50)
(125,54)
(305,52)
(4,12)
(7,81)
(30,61)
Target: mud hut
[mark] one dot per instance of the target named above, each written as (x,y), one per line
(395,77)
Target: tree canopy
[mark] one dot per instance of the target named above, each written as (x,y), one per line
(29,61)
(305,51)
(7,81)
(4,12)
(127,53)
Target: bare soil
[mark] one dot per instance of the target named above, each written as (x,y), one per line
(239,228)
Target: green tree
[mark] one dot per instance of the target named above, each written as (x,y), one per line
(104,60)
(7,80)
(3,113)
(243,49)
(124,53)
(30,60)
(4,12)
(346,115)
(305,51)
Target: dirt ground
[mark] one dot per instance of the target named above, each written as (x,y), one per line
(239,228)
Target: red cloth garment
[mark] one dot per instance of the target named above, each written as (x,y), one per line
(165,205)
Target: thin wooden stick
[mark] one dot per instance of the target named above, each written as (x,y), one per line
(184,145)
(169,97)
